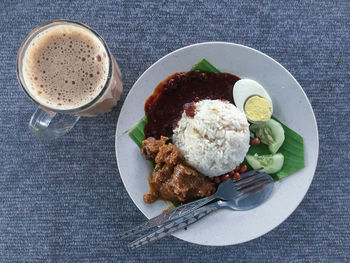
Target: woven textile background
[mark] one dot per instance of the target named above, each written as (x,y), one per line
(64,201)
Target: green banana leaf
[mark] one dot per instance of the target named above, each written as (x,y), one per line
(292,147)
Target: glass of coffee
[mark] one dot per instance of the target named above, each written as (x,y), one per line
(67,69)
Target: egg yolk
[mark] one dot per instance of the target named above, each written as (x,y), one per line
(257,108)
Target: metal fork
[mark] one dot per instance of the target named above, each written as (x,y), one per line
(224,192)
(255,193)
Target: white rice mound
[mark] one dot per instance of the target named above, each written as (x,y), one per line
(215,140)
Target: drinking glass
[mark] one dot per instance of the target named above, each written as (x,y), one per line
(49,122)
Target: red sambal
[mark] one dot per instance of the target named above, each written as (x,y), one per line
(165,106)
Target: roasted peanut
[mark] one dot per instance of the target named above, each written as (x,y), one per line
(236,176)
(243,169)
(255,142)
(225,177)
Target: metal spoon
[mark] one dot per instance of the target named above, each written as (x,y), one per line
(252,197)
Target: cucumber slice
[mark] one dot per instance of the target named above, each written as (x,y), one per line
(270,133)
(272,163)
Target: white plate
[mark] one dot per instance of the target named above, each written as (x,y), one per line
(291,106)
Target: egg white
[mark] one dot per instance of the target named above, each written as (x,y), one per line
(246,88)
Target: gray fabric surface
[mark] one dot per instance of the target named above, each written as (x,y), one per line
(64,201)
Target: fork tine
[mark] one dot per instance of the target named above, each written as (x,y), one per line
(258,183)
(253,181)
(252,190)
(246,180)
(248,174)
(261,181)
(247,177)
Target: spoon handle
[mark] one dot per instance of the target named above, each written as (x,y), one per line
(168,216)
(175,225)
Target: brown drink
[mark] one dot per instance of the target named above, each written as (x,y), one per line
(67,68)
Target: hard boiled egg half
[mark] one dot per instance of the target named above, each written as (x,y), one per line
(252,99)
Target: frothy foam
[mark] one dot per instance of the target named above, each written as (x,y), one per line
(65,67)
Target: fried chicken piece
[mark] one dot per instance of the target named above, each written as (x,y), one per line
(160,175)
(150,197)
(172,179)
(169,154)
(162,172)
(150,146)
(186,184)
